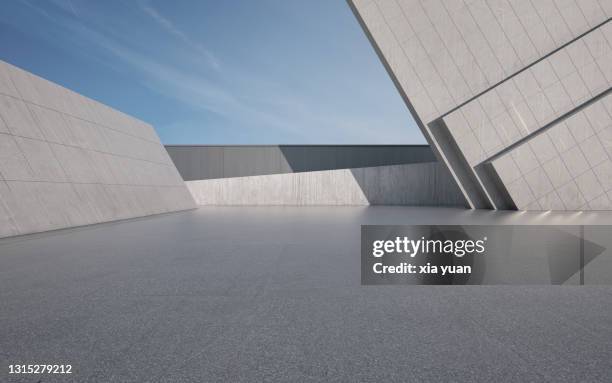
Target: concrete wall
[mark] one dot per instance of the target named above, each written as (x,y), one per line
(200,162)
(566,167)
(66,160)
(422,184)
(483,78)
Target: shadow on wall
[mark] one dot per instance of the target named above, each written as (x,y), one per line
(308,158)
(426,184)
(307,175)
(209,162)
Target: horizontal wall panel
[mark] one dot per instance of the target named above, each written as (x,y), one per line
(421,184)
(201,162)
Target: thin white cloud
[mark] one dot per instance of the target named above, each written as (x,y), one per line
(36,8)
(190,88)
(248,100)
(171,28)
(67,6)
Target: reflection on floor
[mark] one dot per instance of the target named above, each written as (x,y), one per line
(274,294)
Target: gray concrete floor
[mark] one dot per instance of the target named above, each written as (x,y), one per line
(273,294)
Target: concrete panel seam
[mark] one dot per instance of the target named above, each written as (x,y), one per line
(524,68)
(546,127)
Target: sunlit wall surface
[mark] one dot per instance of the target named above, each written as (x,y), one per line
(66,160)
(513,95)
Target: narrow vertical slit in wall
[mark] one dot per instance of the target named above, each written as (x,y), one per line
(495,187)
(460,167)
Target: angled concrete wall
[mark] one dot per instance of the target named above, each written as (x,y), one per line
(483,78)
(201,162)
(66,160)
(421,184)
(315,175)
(565,167)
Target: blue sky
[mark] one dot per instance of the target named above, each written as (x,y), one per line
(216,72)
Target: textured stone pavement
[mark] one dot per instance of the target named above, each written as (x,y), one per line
(274,295)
